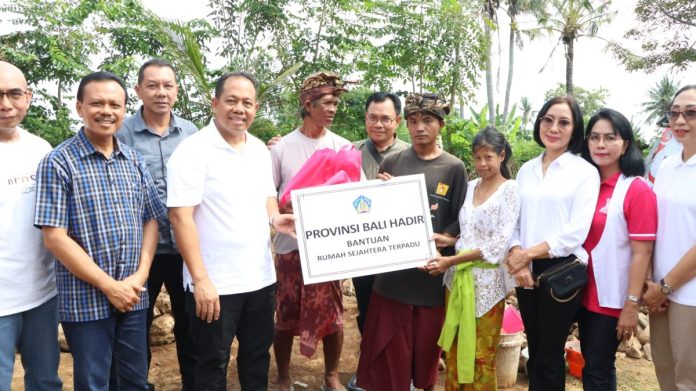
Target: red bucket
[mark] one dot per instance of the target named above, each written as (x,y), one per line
(575,360)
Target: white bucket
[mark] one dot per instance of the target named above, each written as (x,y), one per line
(508,359)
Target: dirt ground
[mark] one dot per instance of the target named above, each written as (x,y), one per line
(633,375)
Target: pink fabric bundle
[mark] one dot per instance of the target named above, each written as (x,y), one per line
(326,167)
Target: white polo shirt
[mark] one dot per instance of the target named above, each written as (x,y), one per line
(557,208)
(675,187)
(229,190)
(27,279)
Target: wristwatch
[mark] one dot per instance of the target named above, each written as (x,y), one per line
(632,298)
(666,289)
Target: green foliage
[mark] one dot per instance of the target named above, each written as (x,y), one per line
(457,136)
(434,45)
(350,117)
(429,45)
(667,30)
(523,150)
(589,100)
(48,119)
(56,40)
(55,46)
(263,128)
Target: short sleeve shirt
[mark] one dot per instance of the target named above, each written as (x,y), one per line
(103,203)
(369,164)
(446,184)
(229,190)
(288,156)
(640,211)
(676,230)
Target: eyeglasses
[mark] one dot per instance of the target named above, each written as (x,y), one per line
(14,95)
(384,120)
(689,115)
(563,123)
(609,139)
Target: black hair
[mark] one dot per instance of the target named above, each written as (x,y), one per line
(631,162)
(99,76)
(685,88)
(576,139)
(220,83)
(379,97)
(491,137)
(157,62)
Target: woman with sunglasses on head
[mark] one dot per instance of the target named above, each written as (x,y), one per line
(620,244)
(671,294)
(475,277)
(559,193)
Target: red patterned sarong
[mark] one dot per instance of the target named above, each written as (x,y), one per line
(399,344)
(311,311)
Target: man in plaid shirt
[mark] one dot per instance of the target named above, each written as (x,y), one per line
(97,207)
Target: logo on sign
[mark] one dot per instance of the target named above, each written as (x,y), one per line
(362,204)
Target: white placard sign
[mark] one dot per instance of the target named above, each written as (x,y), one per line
(362,228)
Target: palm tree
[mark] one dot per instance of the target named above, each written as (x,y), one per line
(526,107)
(660,96)
(490,20)
(573,19)
(515,8)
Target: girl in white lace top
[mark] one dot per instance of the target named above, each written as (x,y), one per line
(474,311)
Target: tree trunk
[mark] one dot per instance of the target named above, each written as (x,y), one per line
(489,74)
(59,97)
(455,78)
(511,62)
(316,44)
(569,65)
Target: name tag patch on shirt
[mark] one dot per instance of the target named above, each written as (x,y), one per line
(441,189)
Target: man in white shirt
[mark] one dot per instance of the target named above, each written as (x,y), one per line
(28,309)
(222,200)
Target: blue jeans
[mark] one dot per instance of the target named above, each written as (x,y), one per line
(35,334)
(109,354)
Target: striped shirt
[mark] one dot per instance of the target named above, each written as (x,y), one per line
(103,203)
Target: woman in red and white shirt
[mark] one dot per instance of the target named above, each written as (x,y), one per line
(619,243)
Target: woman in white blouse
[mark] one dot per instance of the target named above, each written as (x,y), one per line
(476,276)
(559,193)
(671,295)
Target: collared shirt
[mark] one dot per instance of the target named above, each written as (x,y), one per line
(103,203)
(639,222)
(229,190)
(367,148)
(676,221)
(557,208)
(156,151)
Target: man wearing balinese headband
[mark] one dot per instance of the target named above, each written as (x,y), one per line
(314,312)
(407,307)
